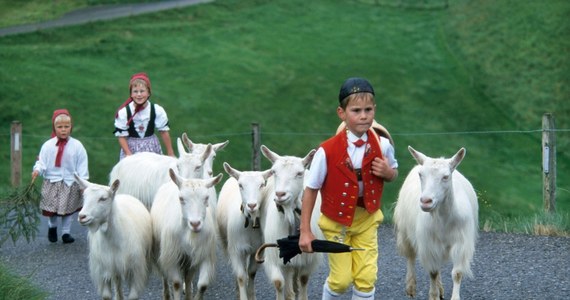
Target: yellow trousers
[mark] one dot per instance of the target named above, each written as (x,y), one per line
(358,268)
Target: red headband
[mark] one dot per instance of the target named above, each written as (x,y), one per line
(56,113)
(141,76)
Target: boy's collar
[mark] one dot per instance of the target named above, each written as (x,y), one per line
(352,137)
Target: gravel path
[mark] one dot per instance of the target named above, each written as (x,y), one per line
(506,266)
(100,13)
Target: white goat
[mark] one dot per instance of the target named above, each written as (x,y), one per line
(436,219)
(208,168)
(184,234)
(282,220)
(198,148)
(239,215)
(141,174)
(120,239)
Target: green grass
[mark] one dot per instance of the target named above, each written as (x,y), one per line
(477,75)
(14,287)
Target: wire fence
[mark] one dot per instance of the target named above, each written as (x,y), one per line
(325,134)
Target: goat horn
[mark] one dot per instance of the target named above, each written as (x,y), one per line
(259,253)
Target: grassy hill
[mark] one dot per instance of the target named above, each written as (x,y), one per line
(478,75)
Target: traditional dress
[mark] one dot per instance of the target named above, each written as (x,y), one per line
(139,127)
(60,193)
(350,206)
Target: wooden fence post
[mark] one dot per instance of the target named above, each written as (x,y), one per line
(549,163)
(16,153)
(256,143)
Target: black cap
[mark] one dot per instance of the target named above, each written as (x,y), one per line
(354,85)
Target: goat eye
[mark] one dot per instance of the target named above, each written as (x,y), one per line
(181,200)
(445,178)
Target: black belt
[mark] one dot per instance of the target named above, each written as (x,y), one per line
(358,173)
(360,202)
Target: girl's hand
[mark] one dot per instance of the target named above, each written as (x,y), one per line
(35,175)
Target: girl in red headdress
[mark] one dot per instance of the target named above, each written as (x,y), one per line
(60,157)
(138,118)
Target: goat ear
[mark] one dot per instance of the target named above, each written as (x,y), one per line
(174,176)
(206,153)
(220,146)
(272,156)
(418,156)
(83,184)
(457,158)
(187,142)
(181,149)
(266,174)
(115,186)
(215,180)
(309,158)
(231,171)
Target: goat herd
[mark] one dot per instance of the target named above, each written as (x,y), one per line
(163,214)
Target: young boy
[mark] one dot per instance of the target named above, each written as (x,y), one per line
(350,169)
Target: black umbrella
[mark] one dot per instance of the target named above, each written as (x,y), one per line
(289,248)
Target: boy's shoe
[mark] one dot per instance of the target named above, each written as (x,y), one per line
(67,238)
(52,234)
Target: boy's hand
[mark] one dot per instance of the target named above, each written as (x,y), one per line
(305,240)
(382,169)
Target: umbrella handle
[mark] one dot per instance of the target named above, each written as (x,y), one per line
(259,253)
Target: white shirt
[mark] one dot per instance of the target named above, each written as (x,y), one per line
(318,170)
(74,159)
(141,120)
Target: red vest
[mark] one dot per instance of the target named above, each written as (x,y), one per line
(340,188)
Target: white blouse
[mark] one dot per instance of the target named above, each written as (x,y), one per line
(141,120)
(74,159)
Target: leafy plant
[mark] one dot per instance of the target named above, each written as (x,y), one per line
(19,214)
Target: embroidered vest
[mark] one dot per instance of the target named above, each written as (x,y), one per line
(340,188)
(149,129)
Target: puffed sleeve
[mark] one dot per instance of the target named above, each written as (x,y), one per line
(161,121)
(318,170)
(41,163)
(82,162)
(389,152)
(121,128)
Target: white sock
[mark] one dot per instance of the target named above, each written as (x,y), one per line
(328,294)
(66,224)
(358,295)
(52,221)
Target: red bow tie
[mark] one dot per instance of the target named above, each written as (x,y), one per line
(359,143)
